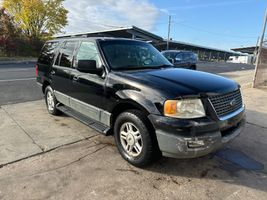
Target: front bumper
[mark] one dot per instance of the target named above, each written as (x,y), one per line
(180,138)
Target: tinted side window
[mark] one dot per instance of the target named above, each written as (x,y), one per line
(179,57)
(66,54)
(47,55)
(188,56)
(88,51)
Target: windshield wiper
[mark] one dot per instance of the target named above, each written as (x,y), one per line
(130,67)
(164,66)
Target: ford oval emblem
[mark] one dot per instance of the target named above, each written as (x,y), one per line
(232,103)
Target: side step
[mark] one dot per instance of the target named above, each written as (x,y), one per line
(104,129)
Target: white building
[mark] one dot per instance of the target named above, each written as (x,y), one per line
(246,59)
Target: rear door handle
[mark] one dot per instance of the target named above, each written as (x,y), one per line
(53,72)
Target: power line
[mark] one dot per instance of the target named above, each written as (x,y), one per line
(214,33)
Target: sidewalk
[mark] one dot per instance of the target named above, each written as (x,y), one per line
(93,169)
(27,129)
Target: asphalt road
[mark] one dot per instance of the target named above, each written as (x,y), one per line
(17,81)
(18,84)
(223,67)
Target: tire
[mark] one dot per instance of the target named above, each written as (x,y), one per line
(51,101)
(135,139)
(193,67)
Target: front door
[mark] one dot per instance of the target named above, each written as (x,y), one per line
(87,90)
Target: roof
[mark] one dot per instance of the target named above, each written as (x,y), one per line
(199,46)
(125,32)
(249,49)
(87,38)
(176,51)
(134,32)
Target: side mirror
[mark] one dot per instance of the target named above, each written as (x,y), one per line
(171,60)
(88,66)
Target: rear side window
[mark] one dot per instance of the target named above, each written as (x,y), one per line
(47,54)
(65,56)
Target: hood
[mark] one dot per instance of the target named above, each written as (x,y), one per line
(179,82)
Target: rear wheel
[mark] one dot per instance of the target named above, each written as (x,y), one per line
(134,138)
(51,101)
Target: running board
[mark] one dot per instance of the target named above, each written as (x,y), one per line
(84,119)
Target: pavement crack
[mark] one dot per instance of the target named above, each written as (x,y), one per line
(250,123)
(72,162)
(47,151)
(128,170)
(39,146)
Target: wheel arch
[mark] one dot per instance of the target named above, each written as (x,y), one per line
(45,84)
(124,106)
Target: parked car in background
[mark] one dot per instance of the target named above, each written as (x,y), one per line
(129,89)
(183,59)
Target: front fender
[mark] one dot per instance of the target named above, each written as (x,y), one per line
(136,97)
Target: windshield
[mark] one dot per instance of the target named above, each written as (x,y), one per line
(127,55)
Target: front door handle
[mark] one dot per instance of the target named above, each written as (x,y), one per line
(75,78)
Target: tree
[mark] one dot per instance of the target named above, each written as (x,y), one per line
(7,28)
(7,31)
(37,18)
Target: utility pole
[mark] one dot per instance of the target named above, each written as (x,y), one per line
(260,48)
(256,51)
(169,30)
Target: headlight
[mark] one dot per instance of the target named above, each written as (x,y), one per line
(184,109)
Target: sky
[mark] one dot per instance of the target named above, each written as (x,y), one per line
(223,24)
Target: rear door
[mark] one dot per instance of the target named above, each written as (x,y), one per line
(186,58)
(61,69)
(178,59)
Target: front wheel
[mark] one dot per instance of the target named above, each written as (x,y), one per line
(134,138)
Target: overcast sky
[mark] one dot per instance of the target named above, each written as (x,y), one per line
(222,24)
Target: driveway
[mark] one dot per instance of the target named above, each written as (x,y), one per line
(91,168)
(48,157)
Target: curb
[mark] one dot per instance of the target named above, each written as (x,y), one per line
(17,62)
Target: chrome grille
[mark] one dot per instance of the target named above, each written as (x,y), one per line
(226,104)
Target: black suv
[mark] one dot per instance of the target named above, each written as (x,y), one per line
(184,59)
(128,88)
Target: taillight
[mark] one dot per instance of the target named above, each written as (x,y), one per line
(36,70)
